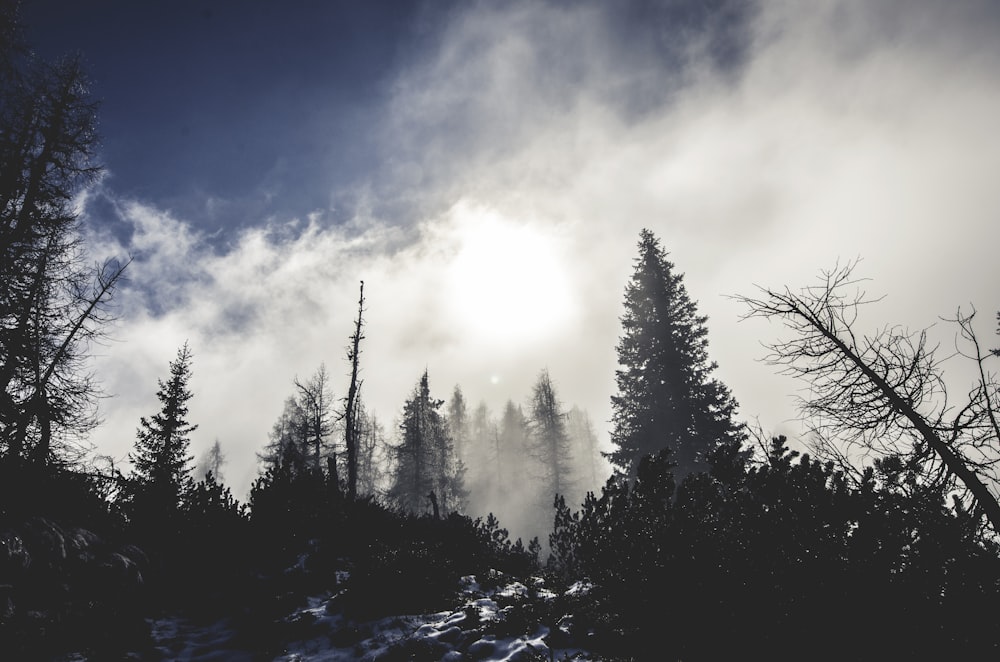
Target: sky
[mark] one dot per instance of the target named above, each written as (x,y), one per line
(486,167)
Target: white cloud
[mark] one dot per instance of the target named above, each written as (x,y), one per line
(849,129)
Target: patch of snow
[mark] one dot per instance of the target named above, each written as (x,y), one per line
(332,637)
(580,588)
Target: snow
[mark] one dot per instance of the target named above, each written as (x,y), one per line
(459,634)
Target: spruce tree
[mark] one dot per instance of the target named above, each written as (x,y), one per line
(667,397)
(425,459)
(160,462)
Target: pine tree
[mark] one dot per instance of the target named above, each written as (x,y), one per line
(161,472)
(666,395)
(425,459)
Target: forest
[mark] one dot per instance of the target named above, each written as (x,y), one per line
(709,539)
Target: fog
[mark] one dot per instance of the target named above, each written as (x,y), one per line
(521,147)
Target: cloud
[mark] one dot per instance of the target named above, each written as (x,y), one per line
(523,148)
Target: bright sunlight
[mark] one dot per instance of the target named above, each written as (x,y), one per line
(508,278)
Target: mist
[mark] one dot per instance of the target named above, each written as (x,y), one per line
(522,147)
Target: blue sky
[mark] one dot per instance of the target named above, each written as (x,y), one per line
(486,168)
(262,107)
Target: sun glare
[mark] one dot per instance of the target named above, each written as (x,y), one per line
(509,279)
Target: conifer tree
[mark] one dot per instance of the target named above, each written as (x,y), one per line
(667,397)
(161,471)
(425,459)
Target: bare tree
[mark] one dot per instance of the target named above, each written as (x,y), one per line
(351,427)
(885,394)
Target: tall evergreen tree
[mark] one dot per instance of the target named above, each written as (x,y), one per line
(425,458)
(161,471)
(667,397)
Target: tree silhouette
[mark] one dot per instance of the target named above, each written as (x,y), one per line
(161,469)
(52,305)
(666,395)
(885,395)
(550,444)
(352,400)
(315,401)
(287,441)
(425,457)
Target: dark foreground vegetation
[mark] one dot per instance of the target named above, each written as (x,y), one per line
(706,543)
(782,555)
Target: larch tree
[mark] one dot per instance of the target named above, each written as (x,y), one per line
(52,304)
(666,395)
(427,472)
(315,401)
(161,464)
(549,442)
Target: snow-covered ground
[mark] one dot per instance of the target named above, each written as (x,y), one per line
(463,633)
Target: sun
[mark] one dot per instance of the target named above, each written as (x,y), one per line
(509,279)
